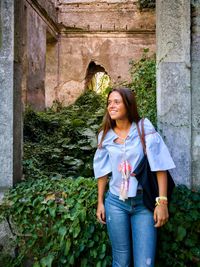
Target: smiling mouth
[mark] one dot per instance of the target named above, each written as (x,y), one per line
(113,112)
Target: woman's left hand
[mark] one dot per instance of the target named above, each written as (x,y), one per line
(161,215)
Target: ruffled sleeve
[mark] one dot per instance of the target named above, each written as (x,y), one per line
(101,162)
(157,152)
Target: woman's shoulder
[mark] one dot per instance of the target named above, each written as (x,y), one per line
(107,138)
(148,126)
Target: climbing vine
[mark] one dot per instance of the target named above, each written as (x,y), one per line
(54,224)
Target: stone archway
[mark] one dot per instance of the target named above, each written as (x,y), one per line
(96,78)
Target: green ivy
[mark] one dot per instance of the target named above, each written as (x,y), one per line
(61,141)
(143,73)
(55,224)
(179,238)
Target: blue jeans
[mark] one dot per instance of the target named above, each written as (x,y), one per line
(131,231)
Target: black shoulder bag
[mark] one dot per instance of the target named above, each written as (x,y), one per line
(148,179)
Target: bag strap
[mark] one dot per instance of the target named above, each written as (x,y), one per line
(142,135)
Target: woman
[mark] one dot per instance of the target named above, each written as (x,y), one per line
(131,226)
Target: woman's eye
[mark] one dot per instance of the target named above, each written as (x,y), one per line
(117,102)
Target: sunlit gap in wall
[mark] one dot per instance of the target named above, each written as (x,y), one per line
(99,82)
(97,79)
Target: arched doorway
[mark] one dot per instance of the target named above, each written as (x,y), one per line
(97,78)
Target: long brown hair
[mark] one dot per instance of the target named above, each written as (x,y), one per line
(129,101)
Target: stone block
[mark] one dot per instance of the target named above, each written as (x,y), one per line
(173,31)
(6,236)
(195,159)
(174,115)
(195,25)
(195,123)
(6,239)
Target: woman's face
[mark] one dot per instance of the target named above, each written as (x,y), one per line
(116,107)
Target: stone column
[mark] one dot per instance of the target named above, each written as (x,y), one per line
(6,93)
(195,82)
(10,102)
(174,83)
(7,157)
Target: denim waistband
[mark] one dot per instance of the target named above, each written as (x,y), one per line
(129,203)
(139,193)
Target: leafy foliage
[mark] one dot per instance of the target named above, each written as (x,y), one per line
(179,238)
(143,73)
(55,223)
(61,141)
(147,3)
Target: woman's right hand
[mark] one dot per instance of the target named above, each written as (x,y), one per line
(101,215)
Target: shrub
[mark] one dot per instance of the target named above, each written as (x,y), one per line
(61,141)
(143,73)
(179,238)
(55,223)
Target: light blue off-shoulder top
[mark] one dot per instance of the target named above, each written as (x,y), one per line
(109,156)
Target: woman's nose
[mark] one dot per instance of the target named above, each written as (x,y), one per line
(111,105)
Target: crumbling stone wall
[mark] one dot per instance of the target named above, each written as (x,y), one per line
(61,38)
(109,33)
(51,69)
(36,50)
(38,26)
(111,51)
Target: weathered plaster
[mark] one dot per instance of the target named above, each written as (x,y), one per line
(52,72)
(105,16)
(110,33)
(36,45)
(39,27)
(55,66)
(111,51)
